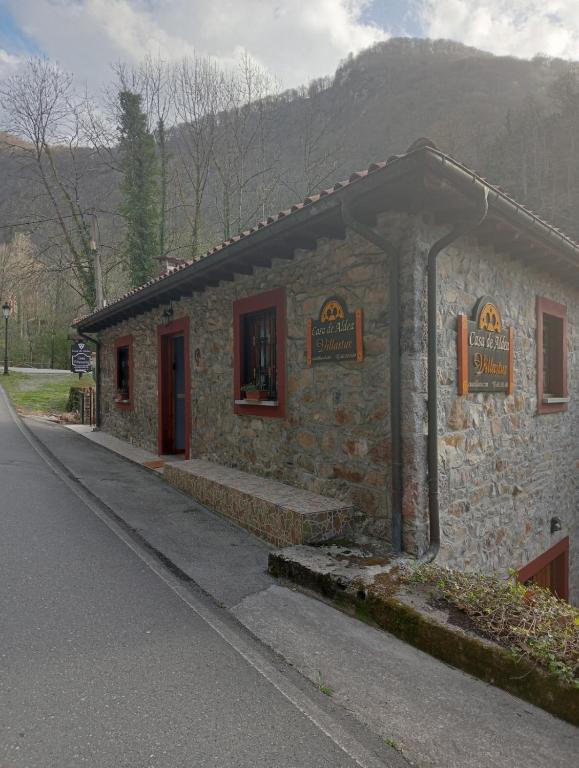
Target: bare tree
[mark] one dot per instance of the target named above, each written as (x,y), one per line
(41,303)
(320,145)
(197,86)
(244,158)
(40,106)
(321,130)
(17,267)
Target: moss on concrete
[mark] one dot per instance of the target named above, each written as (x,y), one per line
(483,659)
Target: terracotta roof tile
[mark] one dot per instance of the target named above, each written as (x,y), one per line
(418,146)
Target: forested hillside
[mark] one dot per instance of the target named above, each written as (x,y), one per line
(224,148)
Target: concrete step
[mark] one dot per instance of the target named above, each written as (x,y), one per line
(279,513)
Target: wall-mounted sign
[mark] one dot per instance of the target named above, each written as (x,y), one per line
(336,335)
(485,351)
(81,361)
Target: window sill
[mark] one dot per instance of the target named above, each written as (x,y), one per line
(269,403)
(552,405)
(123,404)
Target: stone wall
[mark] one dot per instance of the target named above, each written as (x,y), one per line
(505,469)
(335,438)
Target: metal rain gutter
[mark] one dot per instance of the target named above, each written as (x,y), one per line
(505,205)
(432,357)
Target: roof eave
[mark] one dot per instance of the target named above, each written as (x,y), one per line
(182,281)
(505,206)
(411,167)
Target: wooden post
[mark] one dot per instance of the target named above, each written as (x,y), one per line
(309,342)
(511,388)
(359,337)
(462,352)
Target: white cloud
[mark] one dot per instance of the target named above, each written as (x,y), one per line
(8,63)
(521,28)
(296,40)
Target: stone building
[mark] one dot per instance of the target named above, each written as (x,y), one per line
(398,354)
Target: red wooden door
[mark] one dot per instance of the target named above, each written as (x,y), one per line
(550,570)
(174,424)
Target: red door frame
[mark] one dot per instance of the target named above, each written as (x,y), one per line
(559,550)
(177,327)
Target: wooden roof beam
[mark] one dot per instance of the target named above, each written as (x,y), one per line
(219,277)
(499,236)
(303,242)
(241,268)
(150,304)
(261,259)
(527,248)
(191,288)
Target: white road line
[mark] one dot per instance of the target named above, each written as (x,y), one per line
(322,720)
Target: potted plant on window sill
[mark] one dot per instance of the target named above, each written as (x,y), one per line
(254,392)
(122,397)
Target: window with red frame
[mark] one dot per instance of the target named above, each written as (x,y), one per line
(259,339)
(552,393)
(123,364)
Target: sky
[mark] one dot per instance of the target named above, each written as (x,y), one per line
(295,40)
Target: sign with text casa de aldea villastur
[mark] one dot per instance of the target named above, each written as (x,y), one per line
(81,361)
(336,335)
(485,350)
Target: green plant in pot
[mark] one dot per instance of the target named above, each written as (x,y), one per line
(254,392)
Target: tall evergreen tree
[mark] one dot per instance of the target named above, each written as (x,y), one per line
(140,207)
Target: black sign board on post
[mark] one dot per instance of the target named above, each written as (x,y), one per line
(485,351)
(80,358)
(336,335)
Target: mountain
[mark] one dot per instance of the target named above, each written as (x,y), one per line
(499,115)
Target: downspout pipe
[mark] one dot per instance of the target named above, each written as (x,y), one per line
(393,256)
(432,441)
(97,377)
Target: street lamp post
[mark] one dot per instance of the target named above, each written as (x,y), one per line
(6,315)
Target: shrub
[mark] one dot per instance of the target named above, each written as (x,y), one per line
(527,619)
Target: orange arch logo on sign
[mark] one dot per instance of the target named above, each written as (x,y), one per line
(489,317)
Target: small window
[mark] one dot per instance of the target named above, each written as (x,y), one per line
(123,371)
(259,354)
(259,339)
(123,365)
(551,356)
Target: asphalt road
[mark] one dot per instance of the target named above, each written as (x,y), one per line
(106,660)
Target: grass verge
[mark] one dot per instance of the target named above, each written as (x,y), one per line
(37,393)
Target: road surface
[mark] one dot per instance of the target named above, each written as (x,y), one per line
(107,660)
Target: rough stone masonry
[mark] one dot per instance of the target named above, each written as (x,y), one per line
(505,470)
